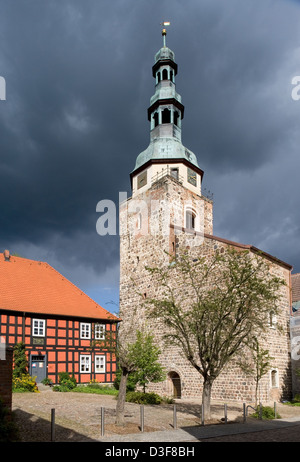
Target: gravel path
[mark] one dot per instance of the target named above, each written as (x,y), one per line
(77,416)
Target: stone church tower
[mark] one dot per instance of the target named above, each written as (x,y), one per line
(166,213)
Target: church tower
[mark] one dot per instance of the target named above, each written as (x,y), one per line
(166,212)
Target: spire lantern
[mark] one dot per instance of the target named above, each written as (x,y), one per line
(165,115)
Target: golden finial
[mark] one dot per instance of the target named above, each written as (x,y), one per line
(164,31)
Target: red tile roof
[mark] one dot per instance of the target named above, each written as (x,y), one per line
(35,287)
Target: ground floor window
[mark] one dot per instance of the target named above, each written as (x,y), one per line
(85,363)
(99,363)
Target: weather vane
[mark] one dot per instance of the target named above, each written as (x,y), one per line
(164,31)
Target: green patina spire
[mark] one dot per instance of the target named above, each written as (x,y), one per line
(165,113)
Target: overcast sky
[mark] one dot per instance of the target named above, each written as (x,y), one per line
(78,84)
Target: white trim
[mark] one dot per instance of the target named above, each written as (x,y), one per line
(99,331)
(39,329)
(100,364)
(85,330)
(85,364)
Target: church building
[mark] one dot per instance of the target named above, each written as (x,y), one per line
(166,213)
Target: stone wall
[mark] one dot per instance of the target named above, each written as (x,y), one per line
(140,247)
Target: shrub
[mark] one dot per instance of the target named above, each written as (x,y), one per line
(267,413)
(20,360)
(66,382)
(24,383)
(96,389)
(47,381)
(143,398)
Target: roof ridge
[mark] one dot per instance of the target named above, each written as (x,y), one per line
(79,290)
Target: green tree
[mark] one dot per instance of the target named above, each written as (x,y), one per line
(146,355)
(211,307)
(136,356)
(20,360)
(258,365)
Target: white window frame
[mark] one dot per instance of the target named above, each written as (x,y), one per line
(85,330)
(85,362)
(100,331)
(98,360)
(41,326)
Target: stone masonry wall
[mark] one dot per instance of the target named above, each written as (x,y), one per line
(140,248)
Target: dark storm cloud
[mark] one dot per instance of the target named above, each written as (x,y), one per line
(79,81)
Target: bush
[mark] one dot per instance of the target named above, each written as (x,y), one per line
(267,413)
(47,381)
(143,398)
(66,383)
(24,383)
(96,388)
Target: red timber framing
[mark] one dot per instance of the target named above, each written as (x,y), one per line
(60,346)
(58,323)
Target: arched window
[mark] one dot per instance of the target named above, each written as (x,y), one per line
(274,378)
(190,219)
(158,77)
(171,76)
(166,116)
(165,74)
(155,117)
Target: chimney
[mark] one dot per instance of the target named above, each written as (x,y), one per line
(6,255)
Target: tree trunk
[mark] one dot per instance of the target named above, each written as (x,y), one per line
(206,397)
(120,408)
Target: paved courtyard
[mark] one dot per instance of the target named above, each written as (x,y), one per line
(78,419)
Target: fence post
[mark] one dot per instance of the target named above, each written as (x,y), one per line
(225,413)
(174,418)
(202,414)
(275,410)
(102,421)
(260,411)
(244,412)
(52,425)
(142,417)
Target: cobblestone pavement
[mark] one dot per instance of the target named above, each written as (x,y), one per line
(285,435)
(77,419)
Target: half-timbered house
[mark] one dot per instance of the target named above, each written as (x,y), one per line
(56,321)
